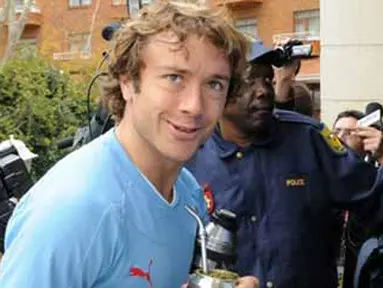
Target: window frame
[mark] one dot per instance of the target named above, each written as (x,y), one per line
(75,37)
(245,23)
(120,2)
(80,3)
(303,17)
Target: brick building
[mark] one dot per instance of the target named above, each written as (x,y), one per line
(67,30)
(70,30)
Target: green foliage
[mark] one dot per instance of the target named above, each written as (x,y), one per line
(40,105)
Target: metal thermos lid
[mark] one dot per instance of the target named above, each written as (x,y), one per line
(226,219)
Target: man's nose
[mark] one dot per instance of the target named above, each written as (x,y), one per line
(191,101)
(261,90)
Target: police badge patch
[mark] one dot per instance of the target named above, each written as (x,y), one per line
(332,140)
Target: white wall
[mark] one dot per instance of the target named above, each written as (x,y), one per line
(351,55)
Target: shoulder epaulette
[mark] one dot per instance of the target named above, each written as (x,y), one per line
(328,136)
(293,117)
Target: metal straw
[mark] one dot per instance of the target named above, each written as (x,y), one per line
(203,236)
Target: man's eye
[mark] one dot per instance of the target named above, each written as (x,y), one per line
(174,78)
(216,85)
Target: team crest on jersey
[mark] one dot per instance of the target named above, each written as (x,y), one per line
(209,199)
(139,272)
(332,141)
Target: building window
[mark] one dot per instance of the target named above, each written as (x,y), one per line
(79,42)
(307,22)
(145,2)
(118,2)
(248,27)
(78,3)
(20,4)
(135,5)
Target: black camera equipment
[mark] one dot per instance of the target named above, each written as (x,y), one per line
(294,49)
(15,180)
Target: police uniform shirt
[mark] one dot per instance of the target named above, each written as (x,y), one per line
(284,190)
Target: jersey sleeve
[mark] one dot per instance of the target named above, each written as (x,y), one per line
(57,246)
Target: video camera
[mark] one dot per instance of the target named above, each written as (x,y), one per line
(294,49)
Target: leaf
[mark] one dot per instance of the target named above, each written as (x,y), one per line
(40,105)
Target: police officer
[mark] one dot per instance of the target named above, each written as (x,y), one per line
(282,174)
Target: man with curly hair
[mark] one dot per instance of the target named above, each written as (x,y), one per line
(112,214)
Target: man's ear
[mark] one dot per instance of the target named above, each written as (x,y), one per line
(127,88)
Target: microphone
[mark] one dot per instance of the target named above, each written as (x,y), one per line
(371,108)
(109,30)
(373,112)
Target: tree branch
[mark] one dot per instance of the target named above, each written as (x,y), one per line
(7,6)
(15,28)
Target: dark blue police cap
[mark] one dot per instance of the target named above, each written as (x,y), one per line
(259,53)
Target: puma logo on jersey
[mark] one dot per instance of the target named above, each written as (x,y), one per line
(138,272)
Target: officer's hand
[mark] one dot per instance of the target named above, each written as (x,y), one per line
(372,139)
(247,282)
(287,72)
(284,78)
(290,69)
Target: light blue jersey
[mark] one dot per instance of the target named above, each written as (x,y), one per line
(95,221)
